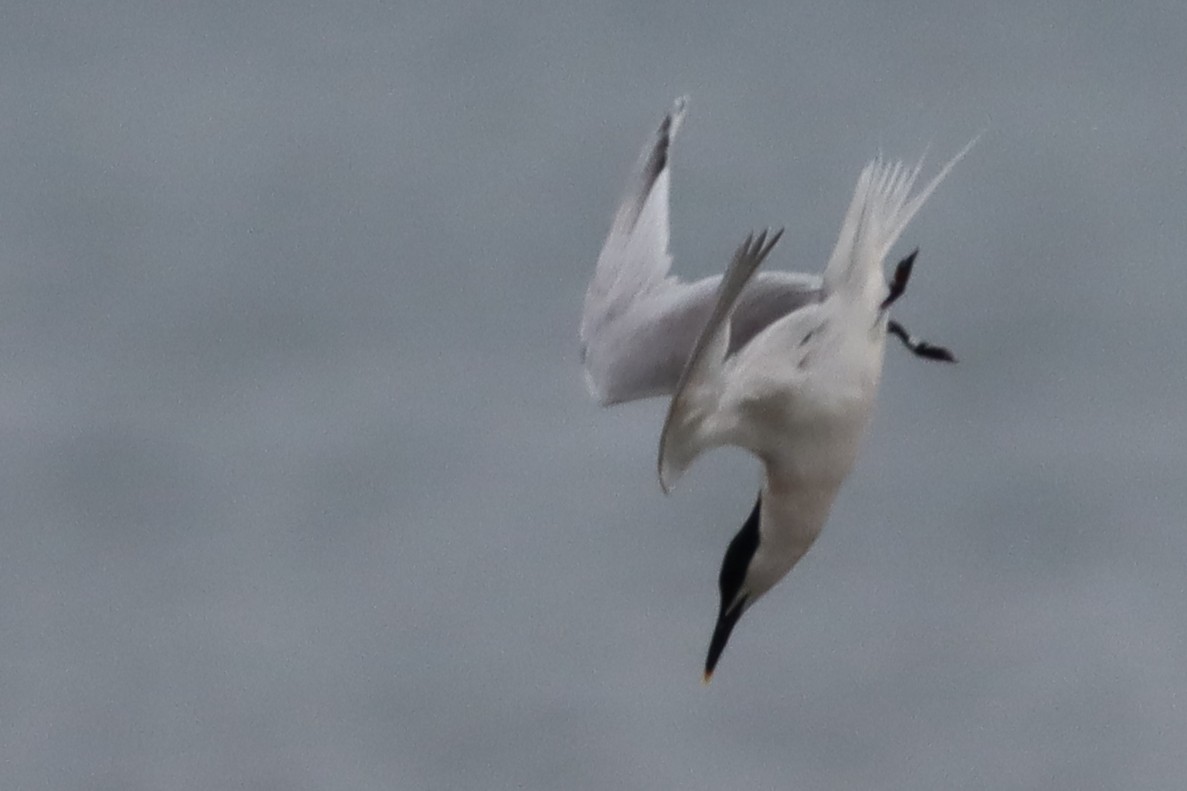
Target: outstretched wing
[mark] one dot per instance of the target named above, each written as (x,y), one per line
(639,323)
(634,257)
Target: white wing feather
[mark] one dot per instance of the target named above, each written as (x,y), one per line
(693,422)
(639,323)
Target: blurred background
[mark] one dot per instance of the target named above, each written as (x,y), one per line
(300,486)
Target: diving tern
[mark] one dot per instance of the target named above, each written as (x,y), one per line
(783,364)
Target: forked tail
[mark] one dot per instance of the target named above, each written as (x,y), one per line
(881,208)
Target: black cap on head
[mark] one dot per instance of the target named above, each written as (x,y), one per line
(733,575)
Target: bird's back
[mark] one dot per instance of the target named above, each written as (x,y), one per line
(805,415)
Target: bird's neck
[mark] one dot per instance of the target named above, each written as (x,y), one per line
(791,518)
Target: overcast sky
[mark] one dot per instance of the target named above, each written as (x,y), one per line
(300,486)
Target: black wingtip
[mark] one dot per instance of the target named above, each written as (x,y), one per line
(760,247)
(775,237)
(656,163)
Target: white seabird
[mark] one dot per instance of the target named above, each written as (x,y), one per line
(783,364)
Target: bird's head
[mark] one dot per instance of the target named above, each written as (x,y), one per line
(739,589)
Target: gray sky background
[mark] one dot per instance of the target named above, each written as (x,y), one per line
(300,487)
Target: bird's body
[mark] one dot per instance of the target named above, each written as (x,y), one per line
(799,396)
(793,380)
